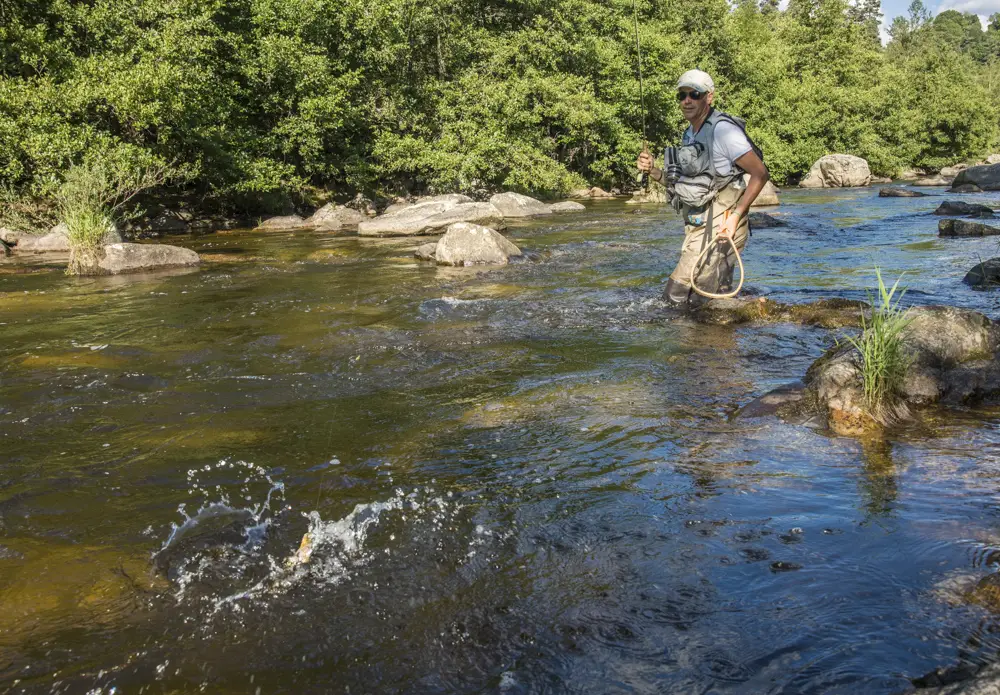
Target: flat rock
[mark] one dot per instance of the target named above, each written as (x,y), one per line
(953,171)
(136,258)
(568,206)
(986,177)
(897,192)
(965,228)
(837,171)
(958,207)
(281,223)
(9,236)
(57,240)
(451,199)
(880,180)
(431,218)
(473,244)
(517,205)
(426,252)
(910,174)
(761,220)
(827,313)
(985,274)
(332,218)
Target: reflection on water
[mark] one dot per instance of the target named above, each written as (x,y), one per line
(317,463)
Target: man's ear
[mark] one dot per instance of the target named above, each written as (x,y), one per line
(710,98)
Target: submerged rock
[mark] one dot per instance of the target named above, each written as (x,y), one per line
(517,205)
(965,228)
(136,258)
(985,274)
(897,192)
(568,206)
(761,220)
(959,207)
(473,244)
(986,177)
(837,171)
(431,218)
(827,313)
(425,252)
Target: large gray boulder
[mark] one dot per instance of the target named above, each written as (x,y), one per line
(431,218)
(966,228)
(568,206)
(953,358)
(837,171)
(136,258)
(57,240)
(987,177)
(985,274)
(897,192)
(333,218)
(768,196)
(517,205)
(958,207)
(473,244)
(281,223)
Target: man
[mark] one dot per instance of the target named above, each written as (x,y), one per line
(710,191)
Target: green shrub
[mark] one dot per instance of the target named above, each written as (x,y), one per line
(883,360)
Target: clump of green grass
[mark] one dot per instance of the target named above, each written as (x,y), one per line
(91,198)
(883,360)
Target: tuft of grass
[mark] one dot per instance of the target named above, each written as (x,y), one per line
(880,345)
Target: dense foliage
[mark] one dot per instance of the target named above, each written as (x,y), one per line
(261,100)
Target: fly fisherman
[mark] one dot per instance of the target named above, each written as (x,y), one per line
(704,180)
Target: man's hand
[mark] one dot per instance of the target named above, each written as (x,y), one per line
(727,228)
(645,162)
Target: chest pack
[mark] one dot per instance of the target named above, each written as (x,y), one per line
(692,179)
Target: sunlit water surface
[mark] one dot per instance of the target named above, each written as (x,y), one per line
(521,480)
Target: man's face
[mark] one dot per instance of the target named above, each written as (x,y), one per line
(694,104)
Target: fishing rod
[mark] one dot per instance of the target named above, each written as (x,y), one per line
(642,99)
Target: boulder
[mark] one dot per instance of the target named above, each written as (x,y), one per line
(965,188)
(425,252)
(768,195)
(760,220)
(953,358)
(580,193)
(363,204)
(880,180)
(936,180)
(9,236)
(332,218)
(992,159)
(837,171)
(568,206)
(965,228)
(909,174)
(281,223)
(985,274)
(452,199)
(985,177)
(473,244)
(430,218)
(136,258)
(57,240)
(897,192)
(655,193)
(952,171)
(958,207)
(517,205)
(596,192)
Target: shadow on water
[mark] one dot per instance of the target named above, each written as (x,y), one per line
(318,463)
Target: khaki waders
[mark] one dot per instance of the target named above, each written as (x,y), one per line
(715,274)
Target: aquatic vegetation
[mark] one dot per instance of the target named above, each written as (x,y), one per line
(880,346)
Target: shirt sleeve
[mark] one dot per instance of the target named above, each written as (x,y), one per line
(730,142)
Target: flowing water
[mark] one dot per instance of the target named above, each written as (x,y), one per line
(522,480)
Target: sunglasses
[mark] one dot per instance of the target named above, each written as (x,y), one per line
(695,95)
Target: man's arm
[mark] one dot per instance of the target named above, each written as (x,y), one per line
(759,175)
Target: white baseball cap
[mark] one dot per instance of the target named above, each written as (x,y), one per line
(698,80)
